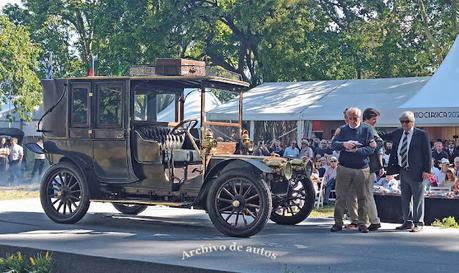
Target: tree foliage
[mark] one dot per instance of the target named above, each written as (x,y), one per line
(263,40)
(19,83)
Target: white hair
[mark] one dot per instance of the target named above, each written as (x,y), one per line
(407,115)
(354,110)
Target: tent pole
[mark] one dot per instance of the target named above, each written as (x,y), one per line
(252,130)
(299,130)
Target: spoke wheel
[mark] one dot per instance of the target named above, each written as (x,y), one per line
(297,205)
(64,194)
(130,209)
(238,204)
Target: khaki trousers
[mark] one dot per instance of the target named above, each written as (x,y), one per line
(348,179)
(351,206)
(372,216)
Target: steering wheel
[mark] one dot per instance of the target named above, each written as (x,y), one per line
(184,126)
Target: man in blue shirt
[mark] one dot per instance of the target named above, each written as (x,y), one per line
(356,143)
(292,151)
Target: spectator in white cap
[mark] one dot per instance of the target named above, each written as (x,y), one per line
(444,166)
(330,178)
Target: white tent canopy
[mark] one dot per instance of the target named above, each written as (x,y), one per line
(323,100)
(438,102)
(275,101)
(192,105)
(385,95)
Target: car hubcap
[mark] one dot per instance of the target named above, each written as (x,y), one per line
(64,193)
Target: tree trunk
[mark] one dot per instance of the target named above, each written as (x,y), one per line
(425,21)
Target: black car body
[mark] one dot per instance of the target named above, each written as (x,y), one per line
(106,143)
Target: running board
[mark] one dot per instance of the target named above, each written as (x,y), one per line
(145,202)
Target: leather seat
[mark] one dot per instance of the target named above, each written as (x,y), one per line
(186,156)
(174,142)
(162,135)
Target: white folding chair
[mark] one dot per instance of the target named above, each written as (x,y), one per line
(320,194)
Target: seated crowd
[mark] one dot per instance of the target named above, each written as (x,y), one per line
(445,165)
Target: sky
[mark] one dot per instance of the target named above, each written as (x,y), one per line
(4,2)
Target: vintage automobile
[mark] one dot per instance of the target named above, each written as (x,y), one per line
(107,142)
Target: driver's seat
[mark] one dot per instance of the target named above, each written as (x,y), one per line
(183,157)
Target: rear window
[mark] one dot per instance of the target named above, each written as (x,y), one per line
(79,107)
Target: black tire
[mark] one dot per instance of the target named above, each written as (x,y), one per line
(250,201)
(130,209)
(64,186)
(298,205)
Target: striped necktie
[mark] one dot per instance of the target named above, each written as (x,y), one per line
(404,151)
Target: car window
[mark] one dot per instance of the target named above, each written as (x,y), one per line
(79,107)
(109,105)
(159,107)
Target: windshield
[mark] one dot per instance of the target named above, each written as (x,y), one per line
(155,106)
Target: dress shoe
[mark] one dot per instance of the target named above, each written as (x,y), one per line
(352,226)
(374,227)
(406,225)
(363,229)
(336,228)
(416,229)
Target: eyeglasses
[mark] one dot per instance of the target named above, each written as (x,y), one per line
(333,161)
(405,121)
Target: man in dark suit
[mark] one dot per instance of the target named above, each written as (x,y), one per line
(411,157)
(452,151)
(438,153)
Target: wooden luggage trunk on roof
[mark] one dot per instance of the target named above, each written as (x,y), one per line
(180,67)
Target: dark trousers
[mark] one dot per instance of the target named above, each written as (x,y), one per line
(38,166)
(330,186)
(3,164)
(412,198)
(15,168)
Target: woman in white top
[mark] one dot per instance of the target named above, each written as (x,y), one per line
(450,179)
(4,153)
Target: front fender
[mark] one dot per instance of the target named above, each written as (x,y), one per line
(228,164)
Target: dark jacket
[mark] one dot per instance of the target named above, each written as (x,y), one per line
(452,155)
(419,153)
(438,156)
(375,164)
(322,152)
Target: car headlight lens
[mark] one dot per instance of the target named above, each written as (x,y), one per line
(287,171)
(308,167)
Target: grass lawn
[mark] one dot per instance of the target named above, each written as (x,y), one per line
(322,212)
(22,192)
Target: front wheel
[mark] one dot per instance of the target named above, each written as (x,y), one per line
(239,204)
(130,209)
(297,205)
(64,193)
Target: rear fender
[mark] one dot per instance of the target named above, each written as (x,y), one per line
(85,166)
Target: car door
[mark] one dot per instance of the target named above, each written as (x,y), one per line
(80,138)
(110,137)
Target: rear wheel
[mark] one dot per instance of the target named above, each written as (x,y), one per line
(130,209)
(239,204)
(297,205)
(64,193)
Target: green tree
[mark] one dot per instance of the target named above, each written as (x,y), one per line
(53,35)
(18,79)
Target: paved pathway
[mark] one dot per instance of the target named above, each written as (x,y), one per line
(187,238)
